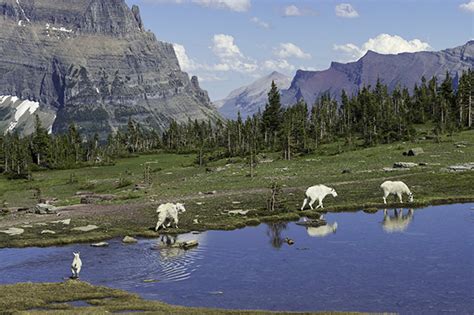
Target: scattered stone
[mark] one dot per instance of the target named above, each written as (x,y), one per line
(211,192)
(415,152)
(346,171)
(404,165)
(43,208)
(199,203)
(241,212)
(86,228)
(196,221)
(41,224)
(27,226)
(65,222)
(129,240)
(139,187)
(100,244)
(236,202)
(289,241)
(422,164)
(169,173)
(220,169)
(391,169)
(461,167)
(460,145)
(13,231)
(84,193)
(48,232)
(266,161)
(186,244)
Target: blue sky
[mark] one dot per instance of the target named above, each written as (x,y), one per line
(230,43)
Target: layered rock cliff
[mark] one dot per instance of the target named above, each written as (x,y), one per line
(92,63)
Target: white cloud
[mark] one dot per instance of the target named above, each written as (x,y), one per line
(383,44)
(230,56)
(260,23)
(280,64)
(186,63)
(292,10)
(467,6)
(234,5)
(346,10)
(287,50)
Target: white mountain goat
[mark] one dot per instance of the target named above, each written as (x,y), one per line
(76,266)
(168,212)
(322,231)
(395,188)
(317,192)
(399,222)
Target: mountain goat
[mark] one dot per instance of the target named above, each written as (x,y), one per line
(396,188)
(322,231)
(168,211)
(76,266)
(318,192)
(398,222)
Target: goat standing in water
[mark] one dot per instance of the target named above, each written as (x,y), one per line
(318,192)
(76,266)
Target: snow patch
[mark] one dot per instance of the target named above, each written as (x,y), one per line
(58,29)
(20,109)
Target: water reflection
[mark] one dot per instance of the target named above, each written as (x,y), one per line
(398,222)
(274,232)
(322,231)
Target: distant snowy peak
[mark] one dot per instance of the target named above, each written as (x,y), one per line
(250,98)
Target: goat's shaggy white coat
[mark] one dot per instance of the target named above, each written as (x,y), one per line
(318,192)
(168,211)
(76,265)
(322,231)
(395,188)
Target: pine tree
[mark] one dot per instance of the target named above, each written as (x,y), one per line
(272,116)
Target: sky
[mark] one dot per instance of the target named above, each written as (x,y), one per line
(230,43)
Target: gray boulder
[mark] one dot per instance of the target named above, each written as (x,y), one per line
(43,208)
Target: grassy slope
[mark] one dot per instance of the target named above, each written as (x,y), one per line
(176,179)
(56,298)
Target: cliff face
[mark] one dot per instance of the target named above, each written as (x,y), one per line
(90,62)
(404,69)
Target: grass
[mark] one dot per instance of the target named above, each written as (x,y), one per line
(175,178)
(80,297)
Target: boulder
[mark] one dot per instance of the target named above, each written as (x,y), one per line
(415,152)
(13,231)
(43,208)
(86,228)
(100,244)
(186,244)
(48,232)
(129,240)
(461,167)
(404,165)
(65,222)
(241,212)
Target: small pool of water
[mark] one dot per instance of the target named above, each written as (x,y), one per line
(407,261)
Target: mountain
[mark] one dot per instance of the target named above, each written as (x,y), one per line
(249,99)
(405,69)
(90,62)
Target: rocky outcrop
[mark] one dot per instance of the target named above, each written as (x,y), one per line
(92,63)
(405,69)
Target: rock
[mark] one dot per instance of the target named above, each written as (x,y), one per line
(13,231)
(289,241)
(41,224)
(241,212)
(86,228)
(346,171)
(27,226)
(92,63)
(211,192)
(461,167)
(186,245)
(129,240)
(48,232)
(312,223)
(415,152)
(404,165)
(65,222)
(84,193)
(196,221)
(43,208)
(100,244)
(391,169)
(236,202)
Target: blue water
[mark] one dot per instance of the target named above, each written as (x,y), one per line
(419,262)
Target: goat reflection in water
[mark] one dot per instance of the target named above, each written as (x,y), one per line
(322,231)
(398,222)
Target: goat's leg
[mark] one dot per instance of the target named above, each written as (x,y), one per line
(311,203)
(400,197)
(304,203)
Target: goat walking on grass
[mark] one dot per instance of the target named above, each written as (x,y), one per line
(318,192)
(396,188)
(76,266)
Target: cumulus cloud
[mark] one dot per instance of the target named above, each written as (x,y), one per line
(230,56)
(469,6)
(287,50)
(233,5)
(280,64)
(346,10)
(186,63)
(260,23)
(383,44)
(292,10)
